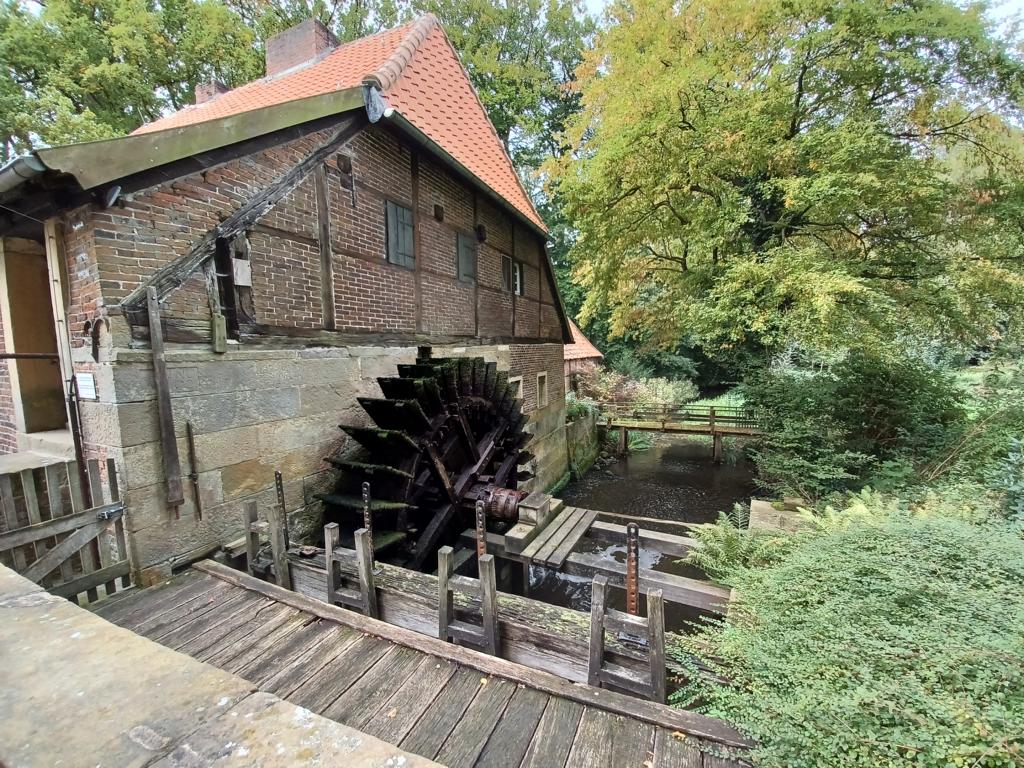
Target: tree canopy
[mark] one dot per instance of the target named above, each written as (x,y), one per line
(77,70)
(830,172)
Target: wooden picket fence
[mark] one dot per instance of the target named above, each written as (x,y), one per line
(49,535)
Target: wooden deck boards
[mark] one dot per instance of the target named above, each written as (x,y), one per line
(422,701)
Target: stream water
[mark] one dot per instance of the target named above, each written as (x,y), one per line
(674,480)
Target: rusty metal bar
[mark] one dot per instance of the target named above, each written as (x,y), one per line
(279,482)
(632,569)
(481,530)
(367,514)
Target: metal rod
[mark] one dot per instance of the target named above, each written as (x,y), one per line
(481,530)
(29,356)
(632,569)
(279,482)
(367,514)
(193,473)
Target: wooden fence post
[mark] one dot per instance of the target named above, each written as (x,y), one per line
(597,598)
(445,607)
(279,545)
(656,643)
(364,567)
(330,542)
(252,536)
(489,603)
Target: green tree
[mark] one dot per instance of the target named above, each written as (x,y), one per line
(747,173)
(76,70)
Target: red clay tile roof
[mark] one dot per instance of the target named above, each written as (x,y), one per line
(419,74)
(581,348)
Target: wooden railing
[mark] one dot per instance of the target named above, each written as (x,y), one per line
(49,535)
(718,415)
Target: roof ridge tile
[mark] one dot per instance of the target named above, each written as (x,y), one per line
(389,72)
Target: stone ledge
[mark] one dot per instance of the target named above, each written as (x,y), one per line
(86,692)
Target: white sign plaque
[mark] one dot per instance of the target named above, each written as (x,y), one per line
(86,384)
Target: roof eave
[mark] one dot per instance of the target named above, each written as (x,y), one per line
(96,163)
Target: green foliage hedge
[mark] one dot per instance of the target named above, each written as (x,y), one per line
(877,639)
(871,419)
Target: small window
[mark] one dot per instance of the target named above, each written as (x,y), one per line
(516,382)
(519,278)
(466,247)
(542,389)
(400,235)
(506,273)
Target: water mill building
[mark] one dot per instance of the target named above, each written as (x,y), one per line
(348,218)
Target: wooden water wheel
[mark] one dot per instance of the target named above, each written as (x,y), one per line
(448,432)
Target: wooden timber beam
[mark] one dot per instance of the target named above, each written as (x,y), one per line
(173,275)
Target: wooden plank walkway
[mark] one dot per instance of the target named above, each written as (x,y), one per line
(554,543)
(437,700)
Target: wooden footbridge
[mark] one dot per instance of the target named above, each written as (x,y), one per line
(716,421)
(441,701)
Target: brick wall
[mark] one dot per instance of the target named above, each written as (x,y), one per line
(111,251)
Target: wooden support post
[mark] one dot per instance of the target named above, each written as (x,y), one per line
(656,643)
(489,603)
(598,593)
(168,442)
(364,567)
(323,216)
(252,537)
(445,602)
(716,447)
(279,546)
(331,537)
(711,419)
(623,441)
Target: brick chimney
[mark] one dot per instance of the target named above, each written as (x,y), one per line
(297,45)
(209,90)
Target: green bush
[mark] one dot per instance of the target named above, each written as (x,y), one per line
(728,545)
(577,407)
(879,639)
(871,419)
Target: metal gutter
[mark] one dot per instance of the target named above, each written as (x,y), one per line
(19,170)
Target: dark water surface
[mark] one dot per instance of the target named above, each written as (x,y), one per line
(675,480)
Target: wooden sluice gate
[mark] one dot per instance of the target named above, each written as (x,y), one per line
(531,632)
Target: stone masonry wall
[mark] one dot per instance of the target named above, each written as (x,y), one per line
(252,412)
(257,411)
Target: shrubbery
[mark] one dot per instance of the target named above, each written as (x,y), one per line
(870,419)
(876,638)
(607,386)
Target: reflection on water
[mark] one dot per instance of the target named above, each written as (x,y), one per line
(676,479)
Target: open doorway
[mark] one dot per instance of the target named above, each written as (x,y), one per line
(34,388)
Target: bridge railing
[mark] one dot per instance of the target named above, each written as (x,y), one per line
(721,415)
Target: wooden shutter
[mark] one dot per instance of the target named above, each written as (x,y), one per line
(466,258)
(506,273)
(400,235)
